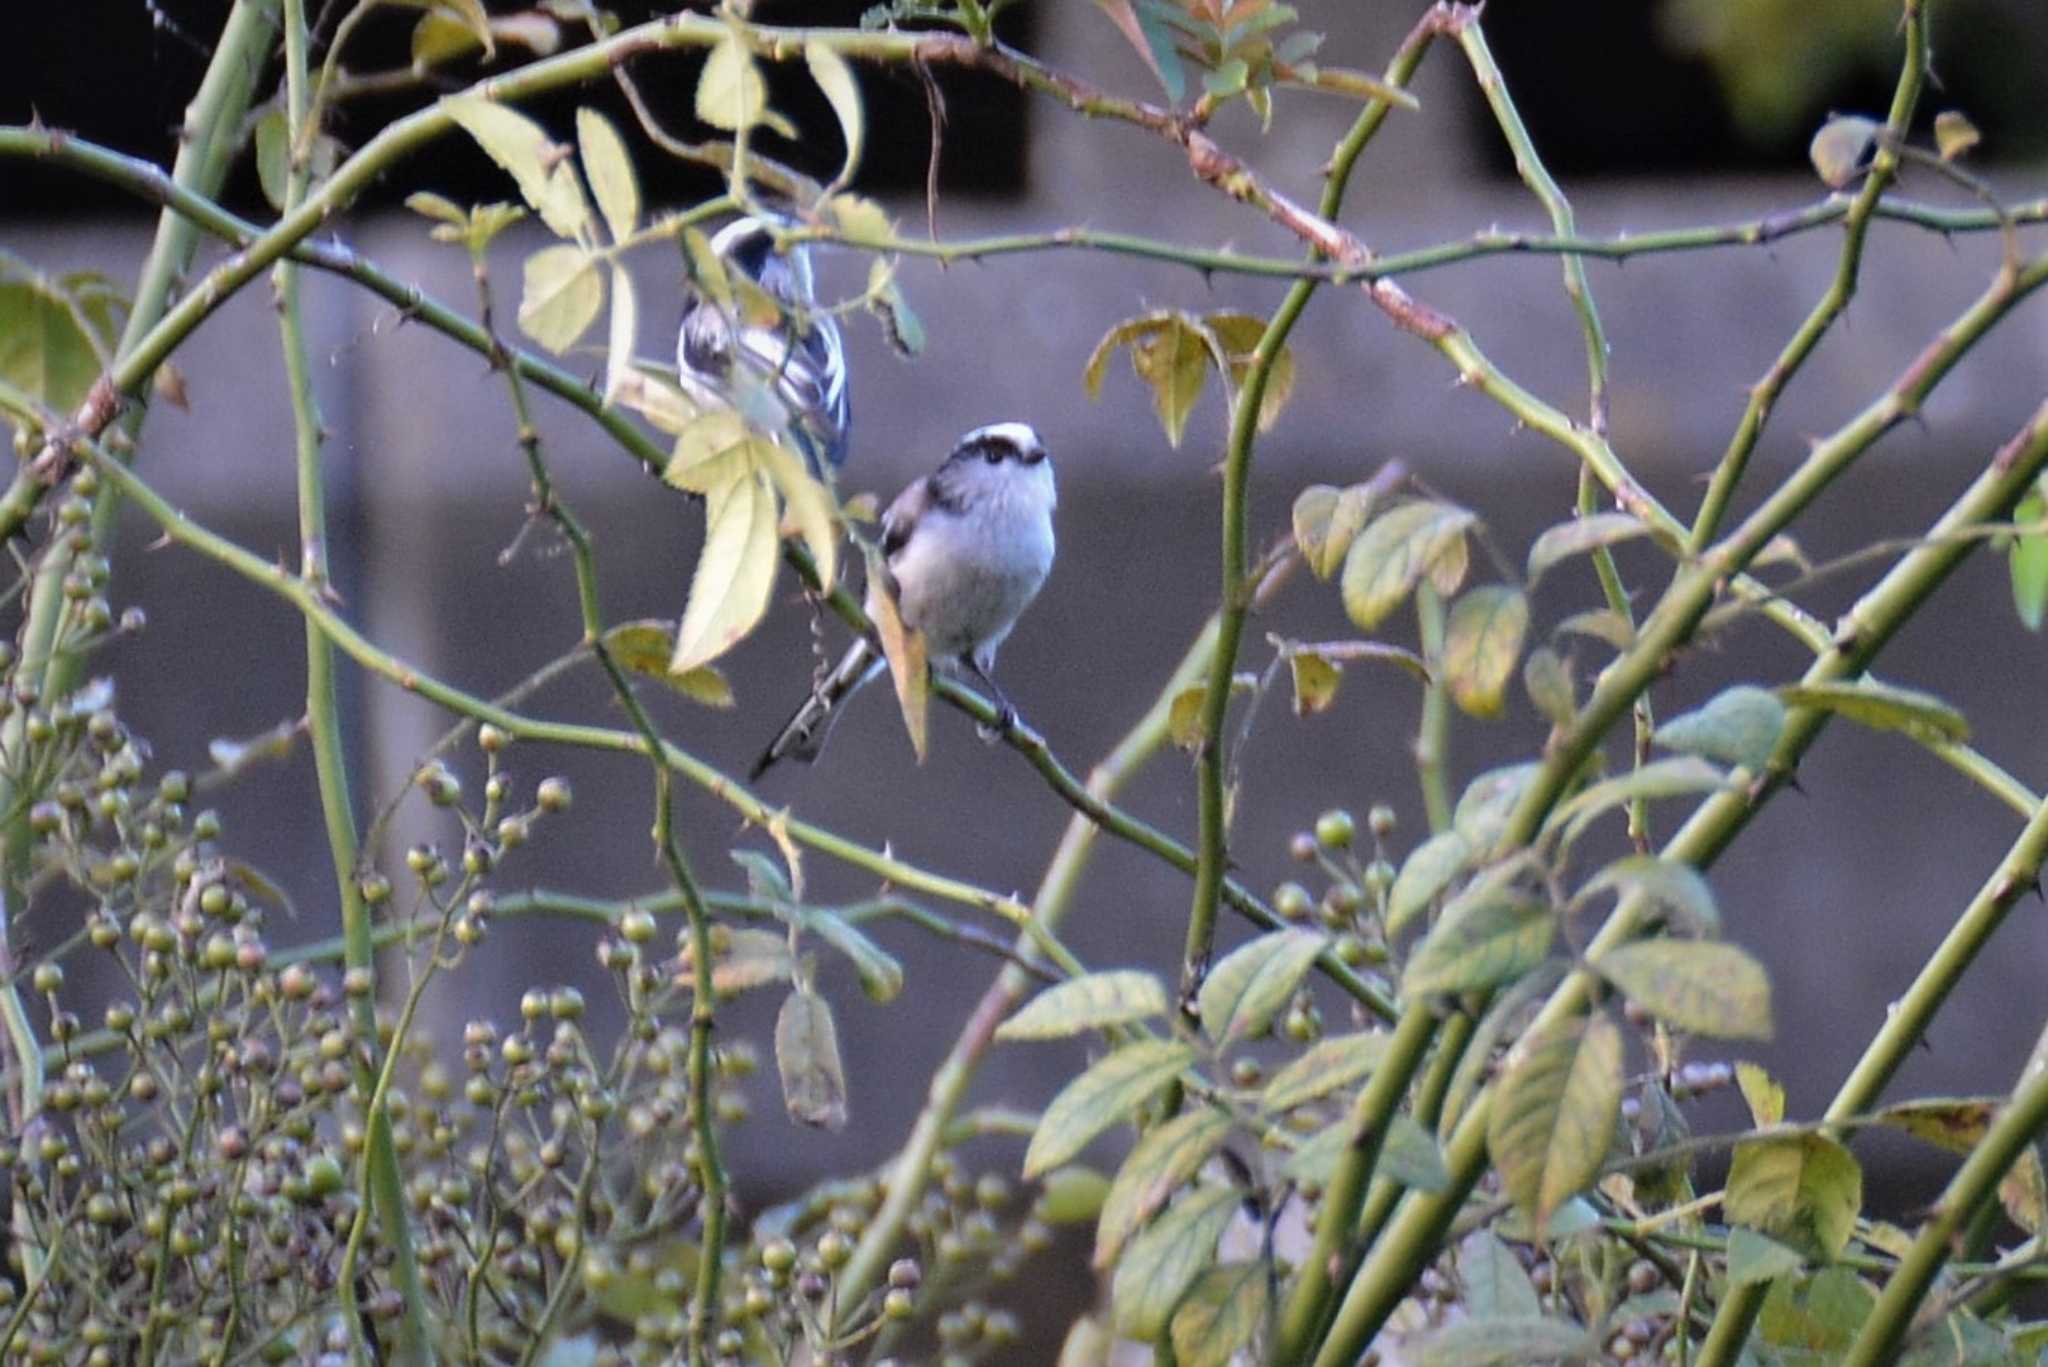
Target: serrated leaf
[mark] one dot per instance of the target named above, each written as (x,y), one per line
(610,172)
(1676,888)
(1658,779)
(1326,521)
(1156,1271)
(1805,1190)
(1161,1163)
(1072,1195)
(1580,535)
(563,293)
(1761,1093)
(1488,934)
(1706,987)
(1954,134)
(1429,868)
(880,972)
(1754,1259)
(807,1055)
(1884,707)
(1496,1285)
(1174,361)
(1394,551)
(1408,1155)
(1250,986)
(1553,1114)
(1505,1342)
(2029,562)
(1548,681)
(1957,1124)
(1737,726)
(806,505)
(535,162)
(645,648)
(1240,334)
(735,571)
(1329,1065)
(1222,1312)
(1843,148)
(1482,641)
(1087,1003)
(1108,1093)
(904,648)
(834,77)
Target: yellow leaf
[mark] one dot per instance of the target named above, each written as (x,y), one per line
(835,78)
(625,330)
(563,293)
(807,504)
(610,172)
(730,91)
(523,148)
(904,648)
(729,592)
(710,453)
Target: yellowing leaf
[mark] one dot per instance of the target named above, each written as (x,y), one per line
(1703,986)
(1156,1271)
(1552,1121)
(835,78)
(1954,134)
(562,296)
(1315,682)
(1091,1002)
(1240,334)
(1175,362)
(807,1056)
(1805,1190)
(1159,1164)
(535,162)
(1326,520)
(807,504)
(625,331)
(710,453)
(645,647)
(1109,1092)
(1247,989)
(1481,644)
(904,648)
(1397,549)
(731,93)
(729,591)
(610,172)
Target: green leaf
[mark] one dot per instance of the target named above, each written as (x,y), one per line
(645,648)
(1658,779)
(735,571)
(2029,557)
(610,172)
(1315,679)
(1326,521)
(1578,536)
(1163,1262)
(1396,550)
(1184,713)
(1430,867)
(1482,641)
(1109,1092)
(47,348)
(887,303)
(1884,707)
(1408,1155)
(1753,1259)
(1152,41)
(2023,1191)
(1240,334)
(1506,1342)
(880,972)
(1815,1318)
(835,78)
(1676,888)
(1227,79)
(1489,934)
(535,162)
(1601,624)
(1330,1064)
(1761,1093)
(1496,1286)
(450,28)
(1162,1162)
(1703,986)
(1174,361)
(1220,1315)
(1244,992)
(1506,1016)
(273,157)
(1957,1124)
(1548,681)
(1805,1190)
(1087,1003)
(564,291)
(807,1055)
(1482,810)
(1553,1115)
(1739,726)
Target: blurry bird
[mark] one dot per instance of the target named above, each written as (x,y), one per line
(966,549)
(786,376)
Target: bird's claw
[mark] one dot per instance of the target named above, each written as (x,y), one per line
(1005,724)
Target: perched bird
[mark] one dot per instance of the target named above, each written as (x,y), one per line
(787,376)
(966,549)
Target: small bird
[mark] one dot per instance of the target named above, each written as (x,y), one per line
(788,376)
(966,550)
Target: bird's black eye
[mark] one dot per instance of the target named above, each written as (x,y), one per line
(993,453)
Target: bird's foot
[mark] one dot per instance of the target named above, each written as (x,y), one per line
(1005,724)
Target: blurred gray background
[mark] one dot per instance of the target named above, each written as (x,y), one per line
(1842,887)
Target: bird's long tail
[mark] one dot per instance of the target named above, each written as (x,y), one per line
(804,734)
